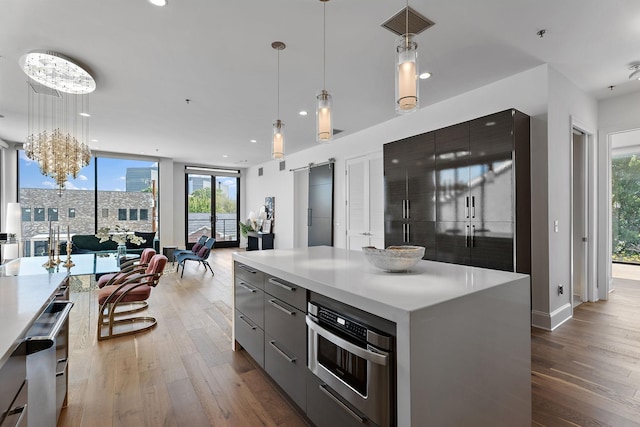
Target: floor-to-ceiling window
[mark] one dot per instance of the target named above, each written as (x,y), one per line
(212,205)
(106,193)
(625,197)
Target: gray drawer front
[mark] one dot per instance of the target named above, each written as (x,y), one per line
(287,369)
(250,301)
(324,411)
(285,324)
(288,292)
(249,275)
(251,337)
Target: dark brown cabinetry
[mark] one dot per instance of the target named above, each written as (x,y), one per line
(480,206)
(410,191)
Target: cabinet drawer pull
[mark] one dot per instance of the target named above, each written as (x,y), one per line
(282,285)
(247,268)
(282,353)
(281,308)
(249,288)
(348,410)
(253,327)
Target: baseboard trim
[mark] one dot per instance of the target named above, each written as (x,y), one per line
(550,321)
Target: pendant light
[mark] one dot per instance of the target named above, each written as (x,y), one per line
(406,71)
(277,144)
(324,127)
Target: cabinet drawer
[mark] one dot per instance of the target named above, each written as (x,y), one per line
(288,292)
(250,336)
(287,369)
(249,275)
(285,324)
(250,301)
(325,411)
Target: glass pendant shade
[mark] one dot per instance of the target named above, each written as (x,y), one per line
(406,75)
(324,127)
(277,146)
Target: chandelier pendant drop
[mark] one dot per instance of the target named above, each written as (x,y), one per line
(58,114)
(407,71)
(277,142)
(324,125)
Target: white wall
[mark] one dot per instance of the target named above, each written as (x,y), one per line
(566,103)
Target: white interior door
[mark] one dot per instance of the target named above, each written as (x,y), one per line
(579,213)
(365,204)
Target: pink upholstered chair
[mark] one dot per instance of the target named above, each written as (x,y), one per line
(129,288)
(131,265)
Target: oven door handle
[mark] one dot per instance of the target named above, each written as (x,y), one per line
(377,358)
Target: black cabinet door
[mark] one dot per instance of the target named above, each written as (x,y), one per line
(395,179)
(491,174)
(492,245)
(452,177)
(453,241)
(421,179)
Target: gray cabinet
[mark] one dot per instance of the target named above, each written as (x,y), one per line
(285,339)
(249,310)
(326,409)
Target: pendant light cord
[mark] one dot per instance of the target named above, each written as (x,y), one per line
(324,47)
(278,116)
(406,21)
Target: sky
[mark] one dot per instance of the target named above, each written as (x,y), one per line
(111,175)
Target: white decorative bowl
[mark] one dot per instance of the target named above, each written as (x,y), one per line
(394,258)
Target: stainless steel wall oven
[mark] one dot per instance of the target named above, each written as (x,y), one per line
(352,353)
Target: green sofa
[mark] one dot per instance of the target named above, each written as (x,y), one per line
(88,243)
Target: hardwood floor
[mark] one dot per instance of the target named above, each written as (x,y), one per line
(183,372)
(587,372)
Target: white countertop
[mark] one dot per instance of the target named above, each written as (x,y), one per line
(22,298)
(347,276)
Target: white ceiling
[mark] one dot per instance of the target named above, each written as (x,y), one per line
(147,60)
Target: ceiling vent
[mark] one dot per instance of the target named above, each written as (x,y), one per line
(44,90)
(397,24)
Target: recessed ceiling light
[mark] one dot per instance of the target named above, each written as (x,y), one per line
(225,156)
(85,114)
(425,75)
(94,140)
(158,2)
(253,140)
(303,113)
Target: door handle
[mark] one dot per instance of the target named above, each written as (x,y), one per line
(473,206)
(473,236)
(408,208)
(309,217)
(404,208)
(466,208)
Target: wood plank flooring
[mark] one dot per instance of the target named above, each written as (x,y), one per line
(183,372)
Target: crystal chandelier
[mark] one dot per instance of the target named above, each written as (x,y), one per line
(58,114)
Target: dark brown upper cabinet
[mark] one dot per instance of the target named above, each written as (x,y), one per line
(471,183)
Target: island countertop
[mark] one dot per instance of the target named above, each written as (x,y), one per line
(347,276)
(22,299)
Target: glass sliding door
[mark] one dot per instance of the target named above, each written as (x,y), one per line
(226,209)
(199,218)
(212,208)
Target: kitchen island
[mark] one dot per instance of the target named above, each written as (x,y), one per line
(463,353)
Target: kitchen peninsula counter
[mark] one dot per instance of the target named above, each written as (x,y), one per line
(22,299)
(463,346)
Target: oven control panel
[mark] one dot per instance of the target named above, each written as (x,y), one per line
(342,323)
